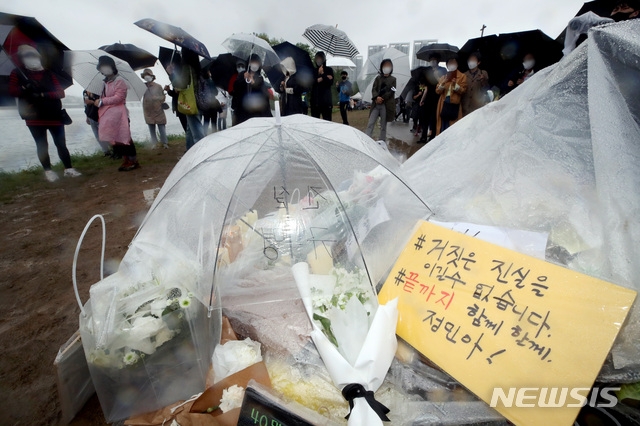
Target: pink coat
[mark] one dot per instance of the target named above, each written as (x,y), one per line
(113,117)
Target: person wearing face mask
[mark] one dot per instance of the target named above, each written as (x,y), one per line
(451,87)
(625,10)
(113,115)
(522,74)
(344,95)
(321,100)
(429,101)
(152,101)
(290,89)
(241,67)
(384,99)
(477,85)
(39,93)
(250,93)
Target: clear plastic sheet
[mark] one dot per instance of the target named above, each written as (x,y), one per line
(558,155)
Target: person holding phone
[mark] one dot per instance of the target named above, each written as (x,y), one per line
(383,98)
(451,87)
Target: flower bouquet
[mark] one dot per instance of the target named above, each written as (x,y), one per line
(143,334)
(354,336)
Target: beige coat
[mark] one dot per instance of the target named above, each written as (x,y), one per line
(476,95)
(152,104)
(456,95)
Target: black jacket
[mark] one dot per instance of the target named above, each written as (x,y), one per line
(250,100)
(292,103)
(321,91)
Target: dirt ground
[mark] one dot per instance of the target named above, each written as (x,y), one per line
(39,230)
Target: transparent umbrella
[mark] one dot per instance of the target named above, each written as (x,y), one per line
(371,68)
(83,68)
(244,45)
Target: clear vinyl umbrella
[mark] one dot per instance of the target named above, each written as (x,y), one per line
(371,69)
(244,45)
(83,68)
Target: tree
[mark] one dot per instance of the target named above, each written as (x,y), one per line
(309,49)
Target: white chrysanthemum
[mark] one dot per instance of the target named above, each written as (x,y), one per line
(231,398)
(130,358)
(184,302)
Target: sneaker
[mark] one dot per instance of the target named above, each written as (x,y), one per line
(127,167)
(71,172)
(166,146)
(154,146)
(51,176)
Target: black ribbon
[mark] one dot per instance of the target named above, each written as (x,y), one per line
(356,390)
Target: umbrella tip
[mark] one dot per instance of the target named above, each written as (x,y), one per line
(277,114)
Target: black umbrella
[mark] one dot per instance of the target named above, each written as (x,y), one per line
(136,57)
(16,30)
(222,68)
(175,35)
(513,46)
(304,66)
(445,50)
(489,49)
(168,56)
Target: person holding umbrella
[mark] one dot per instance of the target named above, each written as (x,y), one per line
(429,101)
(113,115)
(289,88)
(344,95)
(241,67)
(250,93)
(384,99)
(39,93)
(321,101)
(477,85)
(154,115)
(521,74)
(451,87)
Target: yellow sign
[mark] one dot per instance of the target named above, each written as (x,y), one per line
(526,336)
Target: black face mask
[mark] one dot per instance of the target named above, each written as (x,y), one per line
(344,77)
(622,16)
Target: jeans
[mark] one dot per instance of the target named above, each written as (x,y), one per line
(39,134)
(162,129)
(378,111)
(104,146)
(344,106)
(194,126)
(222,123)
(324,111)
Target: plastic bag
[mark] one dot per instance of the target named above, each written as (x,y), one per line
(74,381)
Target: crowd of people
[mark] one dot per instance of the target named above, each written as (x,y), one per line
(435,99)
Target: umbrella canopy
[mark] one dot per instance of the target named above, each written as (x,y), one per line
(445,50)
(302,60)
(371,68)
(340,62)
(16,30)
(331,40)
(136,57)
(175,35)
(83,66)
(222,68)
(290,191)
(168,56)
(244,45)
(489,49)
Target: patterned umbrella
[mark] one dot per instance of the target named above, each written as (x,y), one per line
(331,40)
(175,35)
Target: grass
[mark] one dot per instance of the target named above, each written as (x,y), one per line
(32,178)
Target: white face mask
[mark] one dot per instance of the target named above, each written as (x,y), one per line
(32,63)
(433,63)
(148,78)
(528,64)
(472,65)
(452,67)
(386,70)
(240,69)
(254,67)
(106,71)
